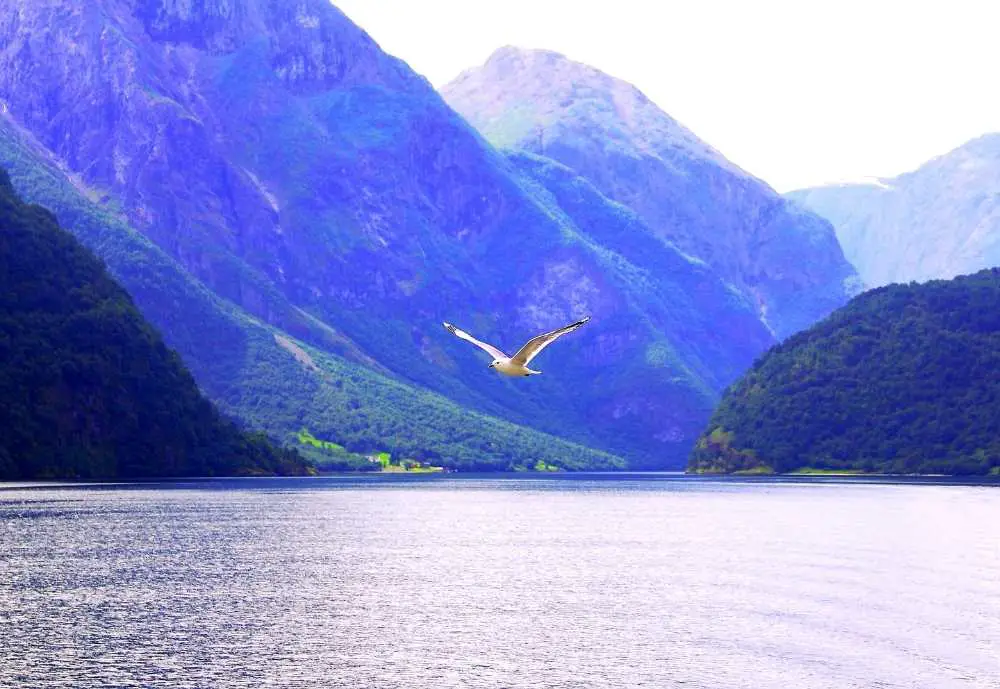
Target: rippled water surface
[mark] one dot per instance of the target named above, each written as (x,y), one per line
(499,583)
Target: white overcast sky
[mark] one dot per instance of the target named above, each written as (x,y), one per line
(797,92)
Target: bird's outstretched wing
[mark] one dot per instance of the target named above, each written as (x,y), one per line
(536,344)
(494,352)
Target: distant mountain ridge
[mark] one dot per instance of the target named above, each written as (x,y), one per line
(939,221)
(785,259)
(547,86)
(325,194)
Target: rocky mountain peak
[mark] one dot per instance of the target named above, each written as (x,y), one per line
(312,45)
(512,55)
(551,94)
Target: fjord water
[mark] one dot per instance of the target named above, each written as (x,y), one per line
(533,582)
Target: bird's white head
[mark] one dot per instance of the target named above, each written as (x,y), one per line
(495,363)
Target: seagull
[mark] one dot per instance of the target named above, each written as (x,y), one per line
(517,365)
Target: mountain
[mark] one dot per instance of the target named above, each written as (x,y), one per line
(938,221)
(89,388)
(262,375)
(298,212)
(785,260)
(270,362)
(901,380)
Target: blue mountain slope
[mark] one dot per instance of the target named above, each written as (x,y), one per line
(281,160)
(785,260)
(262,376)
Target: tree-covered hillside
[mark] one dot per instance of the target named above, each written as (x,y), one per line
(88,388)
(904,379)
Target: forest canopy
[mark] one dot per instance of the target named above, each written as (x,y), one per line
(904,379)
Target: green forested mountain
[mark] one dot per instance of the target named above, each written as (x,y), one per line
(88,388)
(904,379)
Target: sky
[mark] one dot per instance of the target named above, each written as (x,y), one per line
(797,92)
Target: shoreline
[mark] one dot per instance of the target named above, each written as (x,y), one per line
(609,476)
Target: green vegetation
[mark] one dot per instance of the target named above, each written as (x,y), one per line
(755,471)
(902,380)
(410,467)
(89,388)
(307,438)
(329,456)
(367,413)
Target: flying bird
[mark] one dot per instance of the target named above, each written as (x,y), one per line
(517,365)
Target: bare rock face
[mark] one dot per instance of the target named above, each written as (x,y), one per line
(281,158)
(788,261)
(937,222)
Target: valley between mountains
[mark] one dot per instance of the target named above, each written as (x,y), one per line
(297,212)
